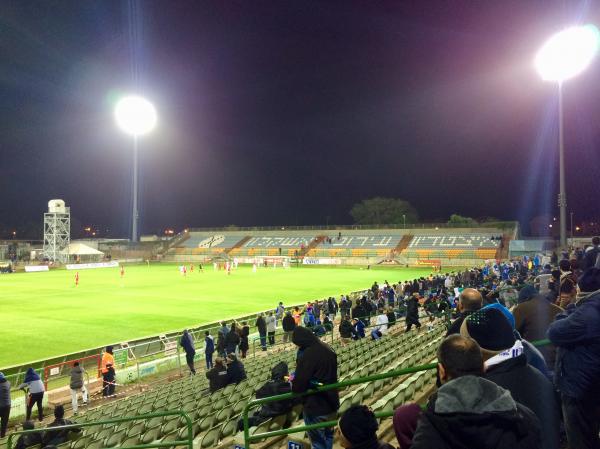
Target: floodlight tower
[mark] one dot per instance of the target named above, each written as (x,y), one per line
(563,56)
(136,116)
(57,231)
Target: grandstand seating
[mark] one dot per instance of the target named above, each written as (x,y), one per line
(358,245)
(269,245)
(215,415)
(452,246)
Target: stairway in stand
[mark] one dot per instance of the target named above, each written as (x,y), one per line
(313,244)
(238,244)
(401,246)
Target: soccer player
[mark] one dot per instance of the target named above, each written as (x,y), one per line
(191,268)
(76,278)
(122,271)
(254,267)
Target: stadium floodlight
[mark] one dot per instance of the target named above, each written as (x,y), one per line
(136,116)
(563,56)
(567,53)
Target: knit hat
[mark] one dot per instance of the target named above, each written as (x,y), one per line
(2,378)
(590,280)
(490,329)
(358,425)
(526,293)
(509,316)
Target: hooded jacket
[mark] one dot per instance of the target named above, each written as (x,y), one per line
(277,385)
(576,334)
(531,388)
(288,323)
(32,380)
(187,343)
(4,391)
(316,363)
(76,382)
(235,371)
(345,328)
(471,412)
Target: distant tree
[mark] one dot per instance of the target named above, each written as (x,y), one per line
(380,210)
(459,220)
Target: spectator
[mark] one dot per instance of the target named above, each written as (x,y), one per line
(358,329)
(271,326)
(235,370)
(468,410)
(381,326)
(309,319)
(506,365)
(108,373)
(288,324)
(591,255)
(469,301)
(279,311)
(217,376)
(4,404)
(297,315)
(357,428)
(358,311)
(221,343)
(209,349)
(187,343)
(278,384)
(316,364)
(533,315)
(412,312)
(391,316)
(232,339)
(76,385)
(261,325)
(56,437)
(576,334)
(28,439)
(244,334)
(345,330)
(332,308)
(36,393)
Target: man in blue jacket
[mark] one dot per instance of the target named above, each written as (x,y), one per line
(576,334)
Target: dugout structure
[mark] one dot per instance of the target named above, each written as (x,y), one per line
(57,231)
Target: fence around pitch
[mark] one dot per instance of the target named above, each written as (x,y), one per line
(248,439)
(189,442)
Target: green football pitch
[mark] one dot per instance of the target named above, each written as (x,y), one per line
(45,314)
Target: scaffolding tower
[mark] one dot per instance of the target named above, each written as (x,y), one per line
(57,231)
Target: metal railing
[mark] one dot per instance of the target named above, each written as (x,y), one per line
(187,442)
(475,225)
(248,439)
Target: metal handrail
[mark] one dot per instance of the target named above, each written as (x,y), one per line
(248,439)
(189,442)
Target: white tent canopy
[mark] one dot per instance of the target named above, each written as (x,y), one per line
(79,249)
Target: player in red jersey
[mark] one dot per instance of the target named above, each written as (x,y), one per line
(76,278)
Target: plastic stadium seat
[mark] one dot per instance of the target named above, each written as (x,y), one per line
(223,414)
(103,434)
(115,439)
(210,439)
(206,423)
(136,429)
(150,435)
(154,422)
(229,429)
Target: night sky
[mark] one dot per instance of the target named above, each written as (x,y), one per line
(289,112)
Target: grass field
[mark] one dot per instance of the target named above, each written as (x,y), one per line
(45,314)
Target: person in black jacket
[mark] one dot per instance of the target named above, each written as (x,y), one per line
(506,365)
(56,437)
(469,411)
(232,339)
(288,324)
(357,428)
(275,386)
(469,301)
(316,364)
(28,439)
(261,325)
(217,376)
(345,330)
(412,312)
(244,334)
(235,370)
(187,343)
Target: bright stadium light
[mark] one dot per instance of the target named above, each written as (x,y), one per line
(567,53)
(563,56)
(136,116)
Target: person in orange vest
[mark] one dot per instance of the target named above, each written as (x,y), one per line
(108,373)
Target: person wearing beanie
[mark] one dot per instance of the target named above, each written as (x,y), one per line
(506,365)
(4,404)
(469,411)
(532,318)
(576,334)
(35,385)
(235,370)
(357,429)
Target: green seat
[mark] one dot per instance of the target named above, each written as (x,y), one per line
(211,438)
(131,441)
(223,415)
(206,423)
(136,429)
(170,426)
(154,422)
(81,442)
(150,435)
(229,428)
(115,439)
